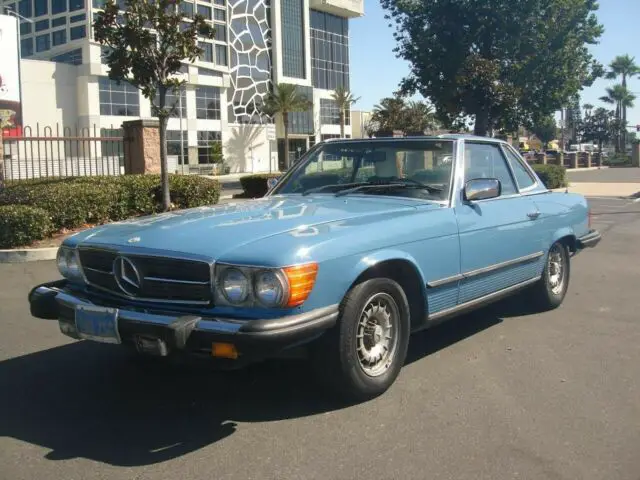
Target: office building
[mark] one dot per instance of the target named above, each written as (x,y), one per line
(257,43)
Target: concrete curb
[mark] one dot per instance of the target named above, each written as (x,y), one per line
(23,255)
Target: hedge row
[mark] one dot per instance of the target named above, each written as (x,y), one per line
(73,202)
(255,186)
(23,225)
(553,176)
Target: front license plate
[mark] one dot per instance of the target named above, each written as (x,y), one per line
(99,324)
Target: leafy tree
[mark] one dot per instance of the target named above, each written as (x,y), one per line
(146,45)
(344,99)
(622,98)
(625,67)
(500,61)
(600,126)
(282,100)
(545,129)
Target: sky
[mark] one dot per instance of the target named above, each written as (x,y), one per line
(376,72)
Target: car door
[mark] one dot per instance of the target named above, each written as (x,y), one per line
(499,244)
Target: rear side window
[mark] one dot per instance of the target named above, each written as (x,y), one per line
(523,177)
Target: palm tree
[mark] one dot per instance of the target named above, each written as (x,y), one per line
(285,99)
(622,98)
(625,67)
(344,99)
(389,114)
(418,118)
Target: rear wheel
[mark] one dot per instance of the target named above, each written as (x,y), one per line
(551,289)
(362,355)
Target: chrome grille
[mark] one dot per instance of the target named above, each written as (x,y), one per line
(162,279)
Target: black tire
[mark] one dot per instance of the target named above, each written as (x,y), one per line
(544,294)
(339,363)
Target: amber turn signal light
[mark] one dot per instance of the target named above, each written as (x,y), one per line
(301,280)
(224,350)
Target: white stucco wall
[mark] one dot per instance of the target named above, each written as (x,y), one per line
(49,94)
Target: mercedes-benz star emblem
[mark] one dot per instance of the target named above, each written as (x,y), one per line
(127,276)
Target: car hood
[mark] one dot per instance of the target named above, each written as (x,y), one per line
(211,231)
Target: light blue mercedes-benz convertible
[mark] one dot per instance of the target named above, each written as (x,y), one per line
(358,245)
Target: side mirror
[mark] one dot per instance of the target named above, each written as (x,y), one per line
(482,189)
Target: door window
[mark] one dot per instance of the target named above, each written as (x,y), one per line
(523,177)
(485,160)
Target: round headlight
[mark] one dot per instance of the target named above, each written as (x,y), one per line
(73,266)
(269,288)
(235,285)
(62,259)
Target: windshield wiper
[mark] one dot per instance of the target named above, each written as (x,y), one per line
(333,185)
(407,183)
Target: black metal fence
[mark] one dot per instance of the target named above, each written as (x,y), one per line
(63,152)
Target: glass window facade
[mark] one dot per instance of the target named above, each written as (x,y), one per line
(173,99)
(173,145)
(74,57)
(122,99)
(330,114)
(208,103)
(205,141)
(76,5)
(26,47)
(78,32)
(58,6)
(219,15)
(302,122)
(221,55)
(78,18)
(329,50)
(25,28)
(204,11)
(207,52)
(292,24)
(42,25)
(56,22)
(40,7)
(59,37)
(43,43)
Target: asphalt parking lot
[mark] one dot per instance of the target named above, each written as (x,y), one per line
(499,394)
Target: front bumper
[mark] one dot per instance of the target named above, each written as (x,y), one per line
(589,240)
(180,333)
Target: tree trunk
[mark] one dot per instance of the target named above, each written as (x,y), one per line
(285,120)
(618,129)
(342,123)
(482,122)
(623,130)
(164,167)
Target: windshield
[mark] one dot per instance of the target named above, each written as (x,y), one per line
(387,166)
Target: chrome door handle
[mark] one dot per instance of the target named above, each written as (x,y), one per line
(533,215)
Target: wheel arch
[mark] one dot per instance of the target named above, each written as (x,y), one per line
(567,237)
(403,269)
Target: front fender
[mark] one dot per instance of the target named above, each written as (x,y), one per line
(372,259)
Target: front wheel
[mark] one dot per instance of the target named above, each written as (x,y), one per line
(362,355)
(552,287)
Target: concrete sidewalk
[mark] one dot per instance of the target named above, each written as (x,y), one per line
(592,189)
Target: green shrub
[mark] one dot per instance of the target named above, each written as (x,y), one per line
(553,176)
(74,202)
(22,225)
(256,185)
(618,160)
